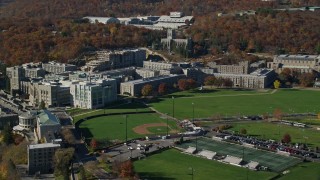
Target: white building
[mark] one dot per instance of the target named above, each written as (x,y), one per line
(103,20)
(93,94)
(27,121)
(40,157)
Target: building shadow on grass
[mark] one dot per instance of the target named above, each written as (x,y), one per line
(85,132)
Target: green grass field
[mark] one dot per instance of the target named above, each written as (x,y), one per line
(84,113)
(113,127)
(172,164)
(235,102)
(271,131)
(273,161)
(309,171)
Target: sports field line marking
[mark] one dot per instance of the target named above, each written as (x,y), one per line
(231,95)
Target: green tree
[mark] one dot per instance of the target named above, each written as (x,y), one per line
(146,90)
(318,48)
(82,173)
(62,162)
(7,135)
(42,105)
(12,171)
(243,131)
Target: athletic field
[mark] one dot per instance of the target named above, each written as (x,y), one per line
(174,165)
(207,103)
(138,125)
(271,160)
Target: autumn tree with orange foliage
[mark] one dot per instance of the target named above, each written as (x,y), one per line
(146,90)
(162,89)
(277,114)
(126,170)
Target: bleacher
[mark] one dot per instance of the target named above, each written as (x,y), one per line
(232,160)
(207,154)
(252,165)
(190,150)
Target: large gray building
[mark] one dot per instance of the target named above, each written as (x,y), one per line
(133,88)
(57,68)
(242,68)
(259,79)
(302,63)
(108,60)
(51,93)
(16,75)
(40,157)
(172,42)
(93,94)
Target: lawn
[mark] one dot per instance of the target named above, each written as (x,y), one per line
(113,127)
(131,107)
(235,102)
(309,171)
(172,164)
(271,131)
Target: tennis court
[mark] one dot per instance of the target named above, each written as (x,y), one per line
(271,160)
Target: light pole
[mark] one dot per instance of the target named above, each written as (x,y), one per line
(191,168)
(193,113)
(172,106)
(167,125)
(126,117)
(196,143)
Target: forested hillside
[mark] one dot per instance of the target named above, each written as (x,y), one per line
(40,30)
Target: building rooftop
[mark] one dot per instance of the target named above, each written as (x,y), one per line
(299,56)
(138,81)
(47,118)
(45,145)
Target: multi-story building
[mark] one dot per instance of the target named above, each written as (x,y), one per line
(241,68)
(172,42)
(259,79)
(302,63)
(146,73)
(40,157)
(133,88)
(51,93)
(57,68)
(107,60)
(16,75)
(93,94)
(33,70)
